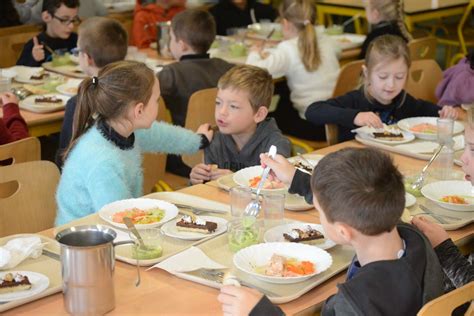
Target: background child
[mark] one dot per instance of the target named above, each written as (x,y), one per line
(60,17)
(12,125)
(384,17)
(360,197)
(381,99)
(92,58)
(309,63)
(115,122)
(457,86)
(242,103)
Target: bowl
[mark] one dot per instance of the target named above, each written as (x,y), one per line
(437,190)
(408,123)
(243,177)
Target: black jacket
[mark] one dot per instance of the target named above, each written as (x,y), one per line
(457,268)
(66,130)
(380,29)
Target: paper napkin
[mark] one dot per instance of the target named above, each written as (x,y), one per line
(189,260)
(18,249)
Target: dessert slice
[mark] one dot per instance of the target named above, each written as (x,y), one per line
(13,283)
(195,224)
(388,135)
(39,76)
(48,100)
(300,235)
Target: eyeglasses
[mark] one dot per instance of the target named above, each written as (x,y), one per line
(75,51)
(66,21)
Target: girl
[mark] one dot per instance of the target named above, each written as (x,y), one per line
(308,61)
(12,125)
(114,123)
(381,99)
(385,17)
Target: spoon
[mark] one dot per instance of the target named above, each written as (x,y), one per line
(347,22)
(418,183)
(128,222)
(253,208)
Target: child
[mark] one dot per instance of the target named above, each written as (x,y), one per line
(360,198)
(242,103)
(385,17)
(231,14)
(115,122)
(381,99)
(457,86)
(92,58)
(60,17)
(307,60)
(12,125)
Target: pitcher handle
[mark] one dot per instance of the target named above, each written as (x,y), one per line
(124,242)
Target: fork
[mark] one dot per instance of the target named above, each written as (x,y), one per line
(439,218)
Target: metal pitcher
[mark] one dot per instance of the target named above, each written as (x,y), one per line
(88,262)
(163,38)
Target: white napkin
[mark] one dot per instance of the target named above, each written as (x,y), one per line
(189,260)
(18,249)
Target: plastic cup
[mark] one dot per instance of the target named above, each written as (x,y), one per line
(445,130)
(273,207)
(152,240)
(243,232)
(5,84)
(240,197)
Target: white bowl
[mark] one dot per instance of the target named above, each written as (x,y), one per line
(275,234)
(408,123)
(243,176)
(410,199)
(436,190)
(107,211)
(248,259)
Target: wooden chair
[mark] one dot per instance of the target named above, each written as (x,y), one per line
(31,207)
(23,150)
(423,48)
(423,77)
(12,45)
(26,28)
(444,305)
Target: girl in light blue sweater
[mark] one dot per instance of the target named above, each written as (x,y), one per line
(114,123)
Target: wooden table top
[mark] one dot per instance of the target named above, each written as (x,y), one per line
(410,7)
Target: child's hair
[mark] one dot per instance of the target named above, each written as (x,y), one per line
(112,38)
(257,82)
(361,188)
(392,10)
(196,28)
(52,5)
(108,96)
(302,14)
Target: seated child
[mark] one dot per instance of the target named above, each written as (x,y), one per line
(457,86)
(60,17)
(115,122)
(242,103)
(92,58)
(381,99)
(360,197)
(12,125)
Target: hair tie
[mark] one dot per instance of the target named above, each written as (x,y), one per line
(95,81)
(306,22)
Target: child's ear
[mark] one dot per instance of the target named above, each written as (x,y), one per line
(261,114)
(344,231)
(138,110)
(46,17)
(365,71)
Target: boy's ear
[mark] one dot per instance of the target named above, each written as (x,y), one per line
(344,231)
(365,72)
(46,17)
(261,114)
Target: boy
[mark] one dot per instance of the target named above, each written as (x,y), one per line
(192,33)
(242,102)
(359,195)
(60,17)
(92,57)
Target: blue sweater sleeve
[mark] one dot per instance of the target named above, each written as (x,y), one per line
(166,138)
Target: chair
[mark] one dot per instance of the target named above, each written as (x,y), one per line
(423,77)
(23,150)
(444,305)
(12,45)
(423,48)
(31,207)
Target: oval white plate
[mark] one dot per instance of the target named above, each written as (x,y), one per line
(107,211)
(436,190)
(275,234)
(70,88)
(39,282)
(410,200)
(313,159)
(24,73)
(407,123)
(170,229)
(30,105)
(348,40)
(243,176)
(247,259)
(366,132)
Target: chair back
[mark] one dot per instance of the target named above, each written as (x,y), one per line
(444,305)
(23,150)
(423,48)
(12,45)
(423,77)
(30,204)
(201,108)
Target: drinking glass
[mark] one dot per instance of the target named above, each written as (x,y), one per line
(5,84)
(273,206)
(240,197)
(243,232)
(445,130)
(152,239)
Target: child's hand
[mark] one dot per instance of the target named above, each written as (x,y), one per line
(257,46)
(206,130)
(449,112)
(8,97)
(38,50)
(200,173)
(281,168)
(217,173)
(435,233)
(368,119)
(238,301)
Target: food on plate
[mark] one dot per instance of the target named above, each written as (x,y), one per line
(455,199)
(269,184)
(48,100)
(238,50)
(39,76)
(408,182)
(13,283)
(425,128)
(147,252)
(140,216)
(391,134)
(344,40)
(280,266)
(335,29)
(195,224)
(62,60)
(71,90)
(301,235)
(302,165)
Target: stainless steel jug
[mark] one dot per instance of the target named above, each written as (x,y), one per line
(163,38)
(88,262)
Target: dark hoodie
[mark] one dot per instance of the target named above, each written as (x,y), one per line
(227,15)
(379,29)
(223,150)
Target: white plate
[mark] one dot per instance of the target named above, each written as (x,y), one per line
(243,176)
(107,211)
(275,234)
(348,40)
(39,282)
(313,159)
(436,190)
(191,200)
(70,88)
(248,259)
(170,230)
(366,132)
(410,200)
(408,123)
(30,105)
(24,73)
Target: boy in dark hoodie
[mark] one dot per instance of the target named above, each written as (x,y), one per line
(360,197)
(242,102)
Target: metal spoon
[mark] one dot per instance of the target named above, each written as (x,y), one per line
(253,208)
(128,222)
(418,183)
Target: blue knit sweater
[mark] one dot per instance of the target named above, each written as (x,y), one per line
(98,172)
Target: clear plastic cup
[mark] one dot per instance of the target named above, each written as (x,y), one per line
(152,240)
(5,84)
(445,130)
(273,207)
(240,197)
(243,232)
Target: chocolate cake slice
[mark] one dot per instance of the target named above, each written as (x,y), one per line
(14,283)
(299,235)
(195,225)
(39,76)
(388,135)
(48,100)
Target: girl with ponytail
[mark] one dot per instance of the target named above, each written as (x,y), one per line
(308,61)
(114,123)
